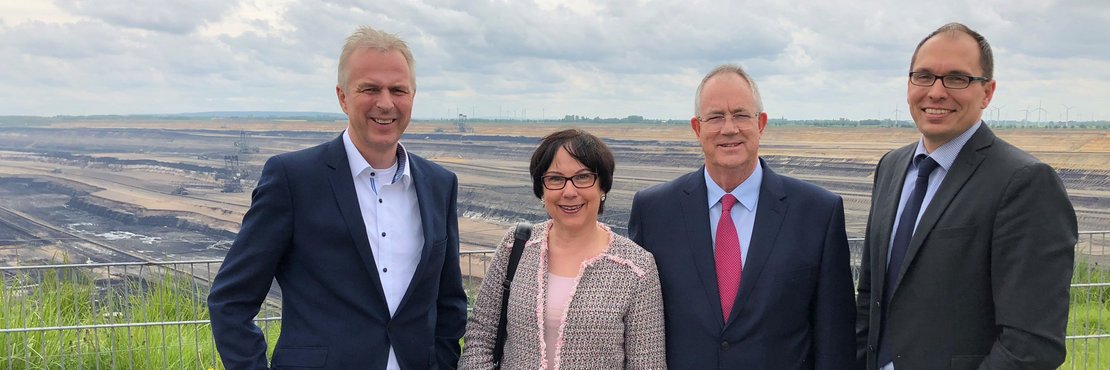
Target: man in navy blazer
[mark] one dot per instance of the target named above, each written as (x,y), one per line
(793,306)
(361,235)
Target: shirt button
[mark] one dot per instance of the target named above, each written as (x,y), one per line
(383,233)
(724,346)
(385,269)
(372,174)
(379,200)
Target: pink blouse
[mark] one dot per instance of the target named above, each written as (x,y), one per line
(559,291)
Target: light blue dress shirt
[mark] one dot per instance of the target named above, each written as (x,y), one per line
(743,213)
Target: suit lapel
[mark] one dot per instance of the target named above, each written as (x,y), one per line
(765,230)
(424,199)
(962,168)
(695,206)
(888,188)
(343,186)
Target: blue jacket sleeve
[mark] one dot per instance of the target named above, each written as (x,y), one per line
(244,278)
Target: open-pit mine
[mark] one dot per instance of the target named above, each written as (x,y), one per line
(90,191)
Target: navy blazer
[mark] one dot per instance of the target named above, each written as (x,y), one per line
(794,309)
(305,229)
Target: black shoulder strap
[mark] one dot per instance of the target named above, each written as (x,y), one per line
(521,235)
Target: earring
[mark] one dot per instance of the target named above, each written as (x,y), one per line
(602,197)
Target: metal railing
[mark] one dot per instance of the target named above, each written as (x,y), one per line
(154,315)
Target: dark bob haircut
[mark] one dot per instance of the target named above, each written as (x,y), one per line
(584,147)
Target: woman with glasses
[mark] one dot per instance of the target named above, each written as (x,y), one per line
(582,297)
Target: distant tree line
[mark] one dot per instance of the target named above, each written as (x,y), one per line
(883,123)
(574,118)
(567,119)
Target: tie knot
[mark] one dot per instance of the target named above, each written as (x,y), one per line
(925,165)
(727,202)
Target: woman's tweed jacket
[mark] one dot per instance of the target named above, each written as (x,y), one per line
(614,321)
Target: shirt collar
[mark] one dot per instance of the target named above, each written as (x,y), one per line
(946,154)
(359,165)
(747,193)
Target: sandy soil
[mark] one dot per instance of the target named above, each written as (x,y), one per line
(150,189)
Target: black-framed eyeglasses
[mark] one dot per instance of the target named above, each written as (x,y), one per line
(715,121)
(581,181)
(927,79)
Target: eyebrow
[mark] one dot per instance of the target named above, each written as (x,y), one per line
(738,110)
(583,170)
(953,72)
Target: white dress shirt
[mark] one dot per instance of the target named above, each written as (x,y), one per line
(747,196)
(387,199)
(945,156)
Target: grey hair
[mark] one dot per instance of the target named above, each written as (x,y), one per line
(366,37)
(728,68)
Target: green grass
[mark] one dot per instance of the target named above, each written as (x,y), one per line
(1089,314)
(69,299)
(1088,319)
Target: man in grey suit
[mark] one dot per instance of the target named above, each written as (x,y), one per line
(970,241)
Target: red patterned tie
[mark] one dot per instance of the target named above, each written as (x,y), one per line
(727,256)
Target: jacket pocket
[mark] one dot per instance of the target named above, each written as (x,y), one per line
(300,357)
(440,244)
(804,273)
(949,233)
(965,362)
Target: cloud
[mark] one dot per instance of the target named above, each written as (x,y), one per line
(550,58)
(170,16)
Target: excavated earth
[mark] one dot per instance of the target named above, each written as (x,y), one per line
(158,191)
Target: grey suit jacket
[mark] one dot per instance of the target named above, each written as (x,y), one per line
(985,279)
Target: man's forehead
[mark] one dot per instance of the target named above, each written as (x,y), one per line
(392,59)
(731,97)
(937,50)
(371,82)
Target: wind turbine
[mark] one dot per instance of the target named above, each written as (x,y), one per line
(1026,110)
(1040,110)
(1067,116)
(998,112)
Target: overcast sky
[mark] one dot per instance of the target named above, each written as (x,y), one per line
(542,58)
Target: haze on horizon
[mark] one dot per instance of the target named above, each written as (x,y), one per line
(538,59)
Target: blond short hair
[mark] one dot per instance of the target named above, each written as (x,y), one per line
(366,37)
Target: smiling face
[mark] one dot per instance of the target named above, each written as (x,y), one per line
(941,113)
(571,208)
(732,152)
(377,99)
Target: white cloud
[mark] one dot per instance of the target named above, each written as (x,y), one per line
(173,16)
(546,57)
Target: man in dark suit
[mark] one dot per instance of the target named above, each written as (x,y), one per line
(753,265)
(361,235)
(969,245)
